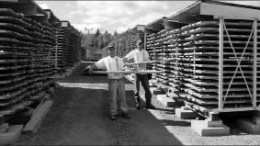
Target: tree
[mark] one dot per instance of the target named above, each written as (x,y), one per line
(100,41)
(107,37)
(115,33)
(97,33)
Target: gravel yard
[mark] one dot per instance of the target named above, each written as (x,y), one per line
(79,116)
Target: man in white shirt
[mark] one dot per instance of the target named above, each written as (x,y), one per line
(141,55)
(116,84)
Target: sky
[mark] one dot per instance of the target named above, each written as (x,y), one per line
(87,16)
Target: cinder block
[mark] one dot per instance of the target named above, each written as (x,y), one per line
(185,114)
(158,91)
(175,104)
(168,101)
(248,126)
(217,123)
(163,99)
(202,128)
(11,136)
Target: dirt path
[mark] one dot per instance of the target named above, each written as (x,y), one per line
(79,116)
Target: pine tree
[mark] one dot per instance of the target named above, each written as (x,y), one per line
(97,33)
(115,33)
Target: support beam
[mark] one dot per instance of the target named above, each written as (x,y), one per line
(145,35)
(220,75)
(255,65)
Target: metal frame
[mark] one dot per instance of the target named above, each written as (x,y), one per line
(220,83)
(253,93)
(255,66)
(145,35)
(216,111)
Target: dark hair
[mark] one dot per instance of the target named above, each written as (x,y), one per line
(140,43)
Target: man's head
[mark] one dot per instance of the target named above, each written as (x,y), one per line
(111,51)
(139,45)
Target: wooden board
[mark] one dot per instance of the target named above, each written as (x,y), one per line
(127,72)
(145,62)
(38,115)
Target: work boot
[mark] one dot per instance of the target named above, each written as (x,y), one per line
(149,105)
(137,102)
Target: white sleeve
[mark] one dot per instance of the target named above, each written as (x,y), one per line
(130,55)
(100,63)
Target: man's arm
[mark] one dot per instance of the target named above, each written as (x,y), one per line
(128,56)
(93,66)
(97,65)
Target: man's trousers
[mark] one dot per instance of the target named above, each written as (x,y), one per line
(116,88)
(145,83)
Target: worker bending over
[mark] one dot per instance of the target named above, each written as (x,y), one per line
(140,55)
(116,84)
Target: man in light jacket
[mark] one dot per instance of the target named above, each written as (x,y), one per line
(141,55)
(116,84)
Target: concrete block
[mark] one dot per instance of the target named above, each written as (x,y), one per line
(209,123)
(157,91)
(11,136)
(163,99)
(175,104)
(201,127)
(248,126)
(168,101)
(185,114)
(4,127)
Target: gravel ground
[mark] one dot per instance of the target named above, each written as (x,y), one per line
(79,117)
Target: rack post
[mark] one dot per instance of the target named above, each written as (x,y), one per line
(255,65)
(145,35)
(220,74)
